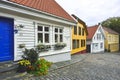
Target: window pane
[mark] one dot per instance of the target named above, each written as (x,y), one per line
(61,38)
(40,38)
(61,30)
(83,32)
(77,43)
(75,30)
(79,30)
(56,29)
(56,37)
(74,44)
(40,28)
(47,29)
(46,38)
(81,43)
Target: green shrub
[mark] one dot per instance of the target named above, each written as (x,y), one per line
(31,55)
(41,67)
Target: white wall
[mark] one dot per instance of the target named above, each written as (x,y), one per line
(27,36)
(95,49)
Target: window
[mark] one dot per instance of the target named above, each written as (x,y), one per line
(58,35)
(74,44)
(43,34)
(83,43)
(78,44)
(95,45)
(75,30)
(101,45)
(82,31)
(79,30)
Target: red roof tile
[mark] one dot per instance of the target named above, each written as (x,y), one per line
(91,31)
(110,30)
(48,6)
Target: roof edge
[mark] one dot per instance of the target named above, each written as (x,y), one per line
(32,9)
(80,21)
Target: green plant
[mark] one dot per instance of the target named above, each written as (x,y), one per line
(59,45)
(31,55)
(21,45)
(41,67)
(42,47)
(22,65)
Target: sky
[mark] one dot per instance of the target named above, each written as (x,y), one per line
(92,12)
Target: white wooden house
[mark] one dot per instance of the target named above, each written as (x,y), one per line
(40,21)
(95,39)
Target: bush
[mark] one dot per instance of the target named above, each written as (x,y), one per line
(22,65)
(41,67)
(31,55)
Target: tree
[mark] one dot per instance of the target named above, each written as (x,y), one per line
(113,23)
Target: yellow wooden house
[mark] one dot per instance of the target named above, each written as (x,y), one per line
(79,33)
(112,40)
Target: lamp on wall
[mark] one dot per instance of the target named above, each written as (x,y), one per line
(18,28)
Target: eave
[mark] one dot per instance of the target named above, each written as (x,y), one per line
(33,12)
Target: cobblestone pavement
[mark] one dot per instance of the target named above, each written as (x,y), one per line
(95,67)
(102,66)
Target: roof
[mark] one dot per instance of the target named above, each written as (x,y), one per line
(80,21)
(110,30)
(91,31)
(48,6)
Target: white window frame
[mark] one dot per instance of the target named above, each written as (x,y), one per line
(43,32)
(58,33)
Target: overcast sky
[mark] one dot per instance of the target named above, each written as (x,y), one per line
(92,11)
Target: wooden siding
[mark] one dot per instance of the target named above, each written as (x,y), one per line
(78,37)
(25,35)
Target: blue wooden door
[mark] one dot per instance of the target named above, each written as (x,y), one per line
(6,39)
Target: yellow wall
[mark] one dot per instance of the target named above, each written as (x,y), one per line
(78,37)
(111,42)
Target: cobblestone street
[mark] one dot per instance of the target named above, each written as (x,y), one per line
(102,66)
(94,67)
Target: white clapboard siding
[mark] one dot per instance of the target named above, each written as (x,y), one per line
(25,35)
(67,37)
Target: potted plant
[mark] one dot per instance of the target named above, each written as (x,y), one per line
(22,65)
(21,45)
(42,47)
(58,46)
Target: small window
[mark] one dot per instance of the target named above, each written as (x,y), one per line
(58,35)
(77,43)
(75,30)
(83,31)
(56,29)
(79,30)
(40,28)
(74,44)
(46,38)
(61,38)
(43,34)
(40,37)
(46,29)
(61,30)
(101,45)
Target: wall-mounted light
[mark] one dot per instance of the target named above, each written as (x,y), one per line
(18,28)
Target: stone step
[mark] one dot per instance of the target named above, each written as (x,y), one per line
(7,66)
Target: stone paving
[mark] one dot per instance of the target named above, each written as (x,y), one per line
(102,66)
